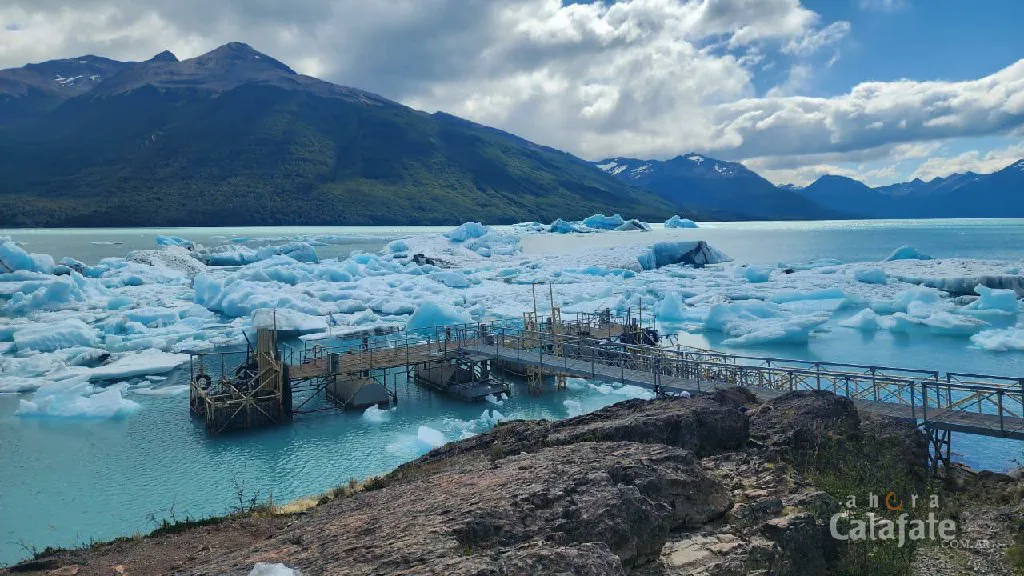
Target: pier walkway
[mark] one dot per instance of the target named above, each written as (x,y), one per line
(602,348)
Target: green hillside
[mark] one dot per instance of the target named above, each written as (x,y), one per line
(281,149)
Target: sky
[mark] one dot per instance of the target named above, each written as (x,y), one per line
(879,90)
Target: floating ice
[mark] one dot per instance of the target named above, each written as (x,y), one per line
(633,225)
(867,320)
(428,438)
(376,415)
(492,399)
(14,258)
(560,226)
(907,253)
(870,275)
(77,399)
(994,300)
(431,314)
(451,279)
(162,390)
(268,569)
(173,241)
(671,308)
(754,322)
(49,295)
(398,247)
(55,336)
(242,255)
(696,253)
(494,244)
(602,222)
(677,222)
(757,274)
(466,231)
(287,320)
(572,408)
(1002,340)
(138,364)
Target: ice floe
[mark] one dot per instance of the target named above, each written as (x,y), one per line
(677,222)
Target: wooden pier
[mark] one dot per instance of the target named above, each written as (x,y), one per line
(599,347)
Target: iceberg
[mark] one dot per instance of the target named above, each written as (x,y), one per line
(993,300)
(76,399)
(376,415)
(451,279)
(757,274)
(633,225)
(428,438)
(1003,340)
(677,222)
(50,295)
(398,247)
(671,308)
(287,320)
(173,241)
(867,320)
(870,275)
(14,258)
(907,253)
(431,314)
(466,231)
(51,336)
(602,222)
(560,226)
(697,254)
(144,363)
(753,322)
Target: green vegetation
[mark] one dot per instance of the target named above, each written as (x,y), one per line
(264,155)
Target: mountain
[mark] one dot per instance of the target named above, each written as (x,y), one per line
(968,195)
(849,196)
(724,188)
(235,137)
(35,89)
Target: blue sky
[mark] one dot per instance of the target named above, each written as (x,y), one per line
(880,90)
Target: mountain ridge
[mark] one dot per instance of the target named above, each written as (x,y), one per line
(235,137)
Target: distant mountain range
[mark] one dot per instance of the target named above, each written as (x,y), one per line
(718,187)
(969,195)
(234,137)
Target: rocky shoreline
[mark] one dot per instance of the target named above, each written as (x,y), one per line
(715,485)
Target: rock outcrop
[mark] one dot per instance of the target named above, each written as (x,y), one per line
(706,485)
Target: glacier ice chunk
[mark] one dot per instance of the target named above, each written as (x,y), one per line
(870,275)
(162,240)
(14,258)
(76,399)
(602,222)
(55,336)
(757,274)
(428,438)
(677,222)
(431,314)
(287,320)
(1000,340)
(696,253)
(752,322)
(907,253)
(466,231)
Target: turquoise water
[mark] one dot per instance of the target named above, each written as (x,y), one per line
(66,481)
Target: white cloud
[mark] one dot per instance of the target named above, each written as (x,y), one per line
(648,78)
(971,161)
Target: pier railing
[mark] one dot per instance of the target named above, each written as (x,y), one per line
(589,346)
